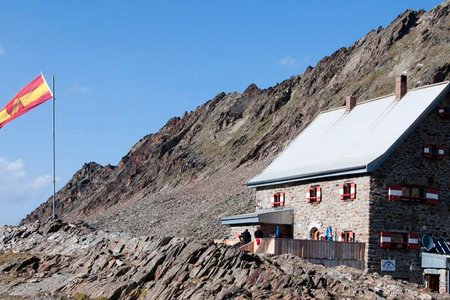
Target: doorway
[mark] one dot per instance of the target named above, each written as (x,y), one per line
(432,282)
(314,234)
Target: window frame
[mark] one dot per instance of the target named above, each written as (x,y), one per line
(347,236)
(410,198)
(428,194)
(314,194)
(444,111)
(279,199)
(399,240)
(346,189)
(434,151)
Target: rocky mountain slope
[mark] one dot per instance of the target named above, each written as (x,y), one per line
(183,178)
(68,261)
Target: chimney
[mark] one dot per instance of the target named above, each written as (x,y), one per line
(350,103)
(400,86)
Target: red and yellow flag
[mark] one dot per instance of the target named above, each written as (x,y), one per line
(34,93)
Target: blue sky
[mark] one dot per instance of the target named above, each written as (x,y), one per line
(123,68)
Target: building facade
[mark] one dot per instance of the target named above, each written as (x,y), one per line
(376,172)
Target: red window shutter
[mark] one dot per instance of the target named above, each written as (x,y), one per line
(272,200)
(427,151)
(318,193)
(282,199)
(341,191)
(432,196)
(413,241)
(385,240)
(440,152)
(308,194)
(395,193)
(352,190)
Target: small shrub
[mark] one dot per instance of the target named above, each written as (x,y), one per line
(143,294)
(80,296)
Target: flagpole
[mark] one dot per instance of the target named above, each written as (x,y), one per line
(53,140)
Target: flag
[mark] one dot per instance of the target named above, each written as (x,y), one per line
(34,93)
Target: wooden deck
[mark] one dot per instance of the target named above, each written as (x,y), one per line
(326,253)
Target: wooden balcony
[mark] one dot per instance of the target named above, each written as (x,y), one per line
(327,253)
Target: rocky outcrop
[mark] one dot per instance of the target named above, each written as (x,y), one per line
(85,182)
(181,179)
(75,261)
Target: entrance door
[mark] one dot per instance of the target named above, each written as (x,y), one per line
(432,282)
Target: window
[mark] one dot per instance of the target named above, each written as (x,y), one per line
(440,152)
(349,236)
(433,151)
(413,193)
(346,236)
(429,150)
(314,194)
(347,191)
(444,112)
(277,199)
(314,233)
(399,240)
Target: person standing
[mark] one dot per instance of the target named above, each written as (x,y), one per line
(259,234)
(246,237)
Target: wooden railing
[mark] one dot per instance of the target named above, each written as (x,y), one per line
(327,253)
(320,249)
(249,247)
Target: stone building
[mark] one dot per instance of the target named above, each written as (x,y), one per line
(376,172)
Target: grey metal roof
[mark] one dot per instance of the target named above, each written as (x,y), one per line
(276,215)
(338,142)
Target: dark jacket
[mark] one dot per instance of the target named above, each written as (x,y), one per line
(259,234)
(246,237)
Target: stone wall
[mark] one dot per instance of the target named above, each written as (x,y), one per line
(443,275)
(331,211)
(408,165)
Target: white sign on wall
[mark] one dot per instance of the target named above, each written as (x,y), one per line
(387,265)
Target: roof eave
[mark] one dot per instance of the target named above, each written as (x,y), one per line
(309,176)
(270,216)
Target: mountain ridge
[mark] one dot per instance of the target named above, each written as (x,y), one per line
(196,164)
